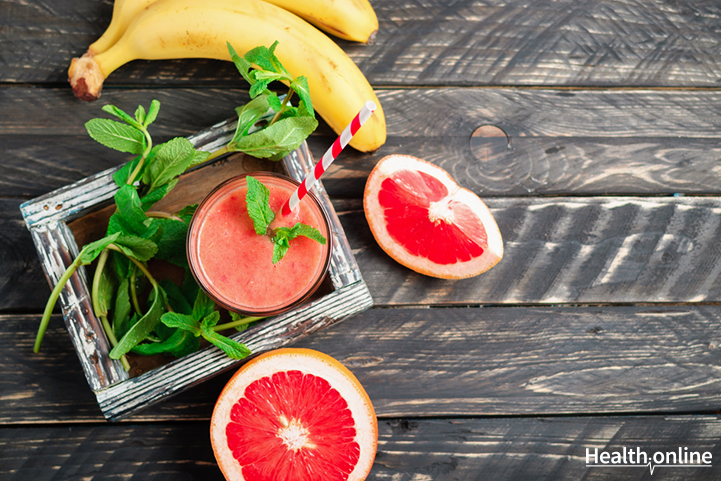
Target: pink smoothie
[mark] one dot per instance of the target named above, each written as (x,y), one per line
(235,265)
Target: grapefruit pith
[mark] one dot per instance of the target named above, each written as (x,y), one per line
(424,220)
(294,414)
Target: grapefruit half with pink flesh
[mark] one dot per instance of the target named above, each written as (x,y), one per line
(424,220)
(294,414)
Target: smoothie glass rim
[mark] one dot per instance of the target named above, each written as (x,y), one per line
(194,262)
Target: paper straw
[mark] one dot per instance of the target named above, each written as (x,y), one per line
(329,156)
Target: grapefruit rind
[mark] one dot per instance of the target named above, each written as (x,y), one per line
(391,164)
(307,361)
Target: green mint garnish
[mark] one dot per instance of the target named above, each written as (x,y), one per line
(283,236)
(258,200)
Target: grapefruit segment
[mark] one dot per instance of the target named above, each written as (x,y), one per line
(294,414)
(421,218)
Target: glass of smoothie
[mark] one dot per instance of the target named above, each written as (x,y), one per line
(234,265)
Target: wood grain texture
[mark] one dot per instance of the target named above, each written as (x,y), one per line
(558,250)
(437,362)
(22,280)
(427,43)
(580,143)
(408,449)
(569,250)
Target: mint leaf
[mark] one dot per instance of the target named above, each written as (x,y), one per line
(280,248)
(300,86)
(152,113)
(187,212)
(203,305)
(308,231)
(155,195)
(261,79)
(91,251)
(241,64)
(181,321)
(121,314)
(106,293)
(171,245)
(122,175)
(199,157)
(179,344)
(248,115)
(176,298)
(283,235)
(130,209)
(257,198)
(140,115)
(113,110)
(231,348)
(136,247)
(115,135)
(171,160)
(144,326)
(122,327)
(277,140)
(189,287)
(261,57)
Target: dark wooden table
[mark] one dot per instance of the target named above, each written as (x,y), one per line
(599,328)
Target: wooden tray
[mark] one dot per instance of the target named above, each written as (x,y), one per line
(59,222)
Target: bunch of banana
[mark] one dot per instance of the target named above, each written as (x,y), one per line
(169,29)
(353,20)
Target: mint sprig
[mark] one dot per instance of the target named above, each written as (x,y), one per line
(257,199)
(289,125)
(202,322)
(136,233)
(283,236)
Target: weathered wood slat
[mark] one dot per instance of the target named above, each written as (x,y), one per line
(558,250)
(437,362)
(571,250)
(580,143)
(434,42)
(499,449)
(22,282)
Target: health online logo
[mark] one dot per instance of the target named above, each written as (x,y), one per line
(630,457)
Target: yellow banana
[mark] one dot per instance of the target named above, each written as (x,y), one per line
(171,29)
(347,19)
(123,13)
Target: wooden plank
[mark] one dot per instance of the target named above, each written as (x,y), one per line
(569,250)
(437,362)
(434,42)
(588,250)
(408,449)
(22,282)
(581,143)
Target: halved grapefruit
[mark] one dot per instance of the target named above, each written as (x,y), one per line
(425,221)
(294,414)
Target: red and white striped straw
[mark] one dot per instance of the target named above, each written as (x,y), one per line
(329,156)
